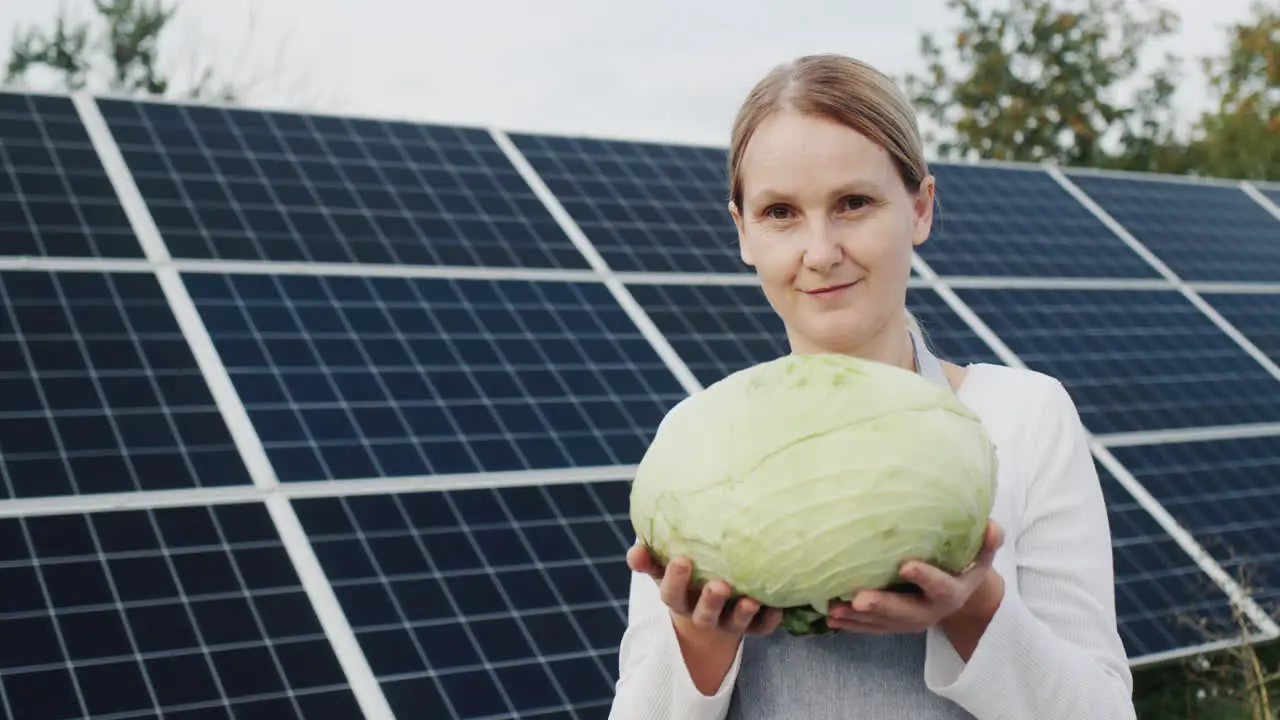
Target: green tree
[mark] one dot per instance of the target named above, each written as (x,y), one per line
(1239,137)
(122,40)
(1044,80)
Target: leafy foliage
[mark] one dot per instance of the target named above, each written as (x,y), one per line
(1240,137)
(1063,82)
(1038,80)
(125,37)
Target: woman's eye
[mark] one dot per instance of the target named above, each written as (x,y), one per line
(777,212)
(855,203)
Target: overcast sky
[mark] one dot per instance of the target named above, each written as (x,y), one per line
(654,69)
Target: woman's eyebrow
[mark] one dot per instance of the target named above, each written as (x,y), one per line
(851,187)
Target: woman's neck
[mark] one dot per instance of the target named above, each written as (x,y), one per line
(892,345)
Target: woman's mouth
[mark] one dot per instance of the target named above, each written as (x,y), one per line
(830,290)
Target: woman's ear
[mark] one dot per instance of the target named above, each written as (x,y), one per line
(923,210)
(743,251)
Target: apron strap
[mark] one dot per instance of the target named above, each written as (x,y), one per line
(927,364)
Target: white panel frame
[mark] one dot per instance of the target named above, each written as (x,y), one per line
(188,497)
(1252,191)
(248,267)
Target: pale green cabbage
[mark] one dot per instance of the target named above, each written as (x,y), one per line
(810,477)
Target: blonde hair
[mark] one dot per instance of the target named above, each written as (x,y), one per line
(842,89)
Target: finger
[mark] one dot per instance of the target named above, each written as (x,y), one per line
(765,622)
(888,608)
(710,605)
(939,586)
(674,587)
(656,568)
(992,540)
(881,602)
(639,560)
(995,534)
(741,617)
(864,627)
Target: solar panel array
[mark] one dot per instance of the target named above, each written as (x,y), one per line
(311,416)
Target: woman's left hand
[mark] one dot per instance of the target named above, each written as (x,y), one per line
(943,595)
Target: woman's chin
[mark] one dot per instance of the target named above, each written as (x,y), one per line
(832,336)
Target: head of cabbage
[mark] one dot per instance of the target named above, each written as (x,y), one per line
(808,478)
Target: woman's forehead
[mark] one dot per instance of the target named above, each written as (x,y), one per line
(790,152)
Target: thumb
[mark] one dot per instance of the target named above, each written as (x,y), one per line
(995,536)
(639,560)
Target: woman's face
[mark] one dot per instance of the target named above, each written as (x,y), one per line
(829,228)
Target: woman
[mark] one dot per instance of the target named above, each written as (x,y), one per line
(830,194)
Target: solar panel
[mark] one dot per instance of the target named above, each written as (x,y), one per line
(1164,601)
(646,207)
(55,198)
(720,329)
(182,612)
(1256,315)
(351,377)
(249,185)
(1134,360)
(496,595)
(1201,231)
(99,391)
(487,602)
(1013,221)
(1224,492)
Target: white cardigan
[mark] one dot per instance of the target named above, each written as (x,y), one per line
(1052,650)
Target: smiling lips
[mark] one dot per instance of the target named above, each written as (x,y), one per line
(830,289)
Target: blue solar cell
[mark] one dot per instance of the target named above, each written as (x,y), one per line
(1164,601)
(720,329)
(99,391)
(1256,315)
(1224,493)
(1201,231)
(494,602)
(136,614)
(348,377)
(645,207)
(997,221)
(237,184)
(55,197)
(1133,360)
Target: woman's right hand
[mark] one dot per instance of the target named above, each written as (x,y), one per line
(708,610)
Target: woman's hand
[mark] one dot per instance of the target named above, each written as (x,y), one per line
(709,609)
(969,598)
(708,626)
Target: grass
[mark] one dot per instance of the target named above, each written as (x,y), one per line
(1236,684)
(1241,682)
